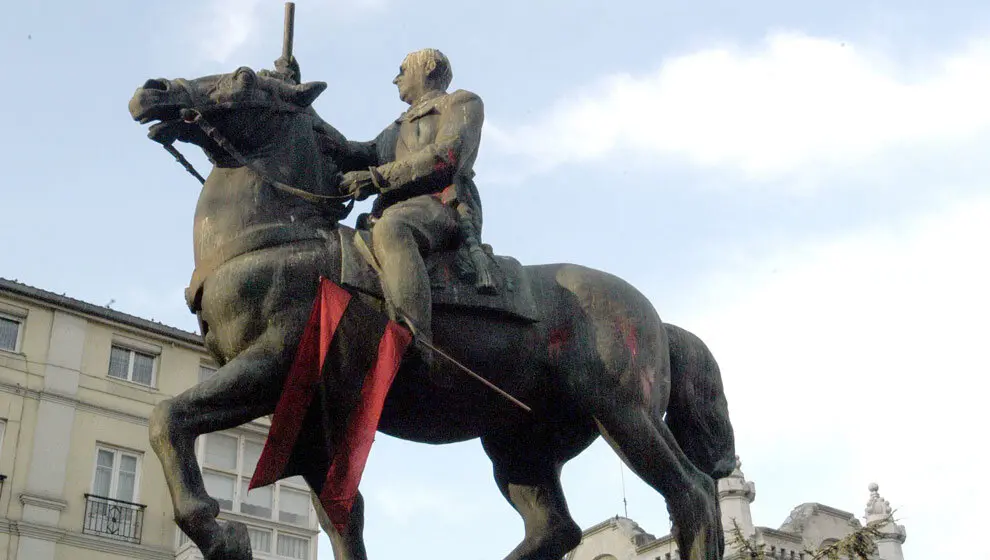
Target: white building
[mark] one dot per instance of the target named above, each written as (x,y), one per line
(79,478)
(808,527)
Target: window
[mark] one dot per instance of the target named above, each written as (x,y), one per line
(293,506)
(228,463)
(288,545)
(10,332)
(258,501)
(261,539)
(291,546)
(220,468)
(132,365)
(116,474)
(110,509)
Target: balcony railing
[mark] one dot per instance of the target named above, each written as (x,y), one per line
(113,519)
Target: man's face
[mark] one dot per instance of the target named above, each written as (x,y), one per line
(411,79)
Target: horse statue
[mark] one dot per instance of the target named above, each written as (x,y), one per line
(596,361)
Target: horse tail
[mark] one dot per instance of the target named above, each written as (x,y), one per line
(698,412)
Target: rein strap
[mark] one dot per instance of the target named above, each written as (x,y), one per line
(329,202)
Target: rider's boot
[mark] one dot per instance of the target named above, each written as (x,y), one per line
(421,354)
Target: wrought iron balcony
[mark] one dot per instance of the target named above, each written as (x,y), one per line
(113,519)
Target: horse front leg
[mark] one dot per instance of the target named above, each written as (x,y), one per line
(348,545)
(244,389)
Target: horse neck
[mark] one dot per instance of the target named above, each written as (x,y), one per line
(292,155)
(239,201)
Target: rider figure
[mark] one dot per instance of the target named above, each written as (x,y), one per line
(420,167)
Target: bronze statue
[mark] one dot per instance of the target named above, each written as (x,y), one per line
(421,168)
(584,349)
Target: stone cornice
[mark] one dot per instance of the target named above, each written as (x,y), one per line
(836,512)
(780,535)
(43,502)
(655,543)
(102,314)
(89,542)
(311,531)
(607,524)
(72,402)
(893,532)
(256,426)
(737,489)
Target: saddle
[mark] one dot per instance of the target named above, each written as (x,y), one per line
(449,287)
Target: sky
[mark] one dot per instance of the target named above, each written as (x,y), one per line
(803,185)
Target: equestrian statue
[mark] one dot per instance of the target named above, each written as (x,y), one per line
(584,350)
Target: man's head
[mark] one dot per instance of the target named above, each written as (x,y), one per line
(421,72)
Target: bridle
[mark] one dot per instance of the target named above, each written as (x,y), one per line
(330,204)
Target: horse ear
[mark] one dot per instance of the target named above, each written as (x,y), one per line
(304,95)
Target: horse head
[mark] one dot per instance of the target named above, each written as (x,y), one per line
(250,120)
(248,109)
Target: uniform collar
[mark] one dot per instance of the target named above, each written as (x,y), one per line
(424,106)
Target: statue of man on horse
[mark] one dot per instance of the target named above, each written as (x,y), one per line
(421,168)
(588,352)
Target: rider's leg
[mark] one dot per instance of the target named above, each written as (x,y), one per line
(405,232)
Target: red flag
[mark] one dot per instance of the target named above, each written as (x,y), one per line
(343,336)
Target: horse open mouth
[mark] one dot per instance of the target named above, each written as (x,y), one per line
(146,108)
(156,100)
(167,132)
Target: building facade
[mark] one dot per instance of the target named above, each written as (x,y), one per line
(808,527)
(78,478)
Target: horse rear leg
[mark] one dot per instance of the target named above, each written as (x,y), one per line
(624,383)
(527,466)
(648,447)
(244,389)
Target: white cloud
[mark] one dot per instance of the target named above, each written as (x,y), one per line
(229,25)
(794,102)
(864,356)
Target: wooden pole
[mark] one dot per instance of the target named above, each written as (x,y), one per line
(289,29)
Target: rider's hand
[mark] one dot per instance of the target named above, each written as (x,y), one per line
(358,184)
(289,68)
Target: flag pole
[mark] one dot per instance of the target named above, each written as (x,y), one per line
(288,30)
(468,371)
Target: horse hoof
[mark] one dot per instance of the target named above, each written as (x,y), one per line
(233,543)
(697,528)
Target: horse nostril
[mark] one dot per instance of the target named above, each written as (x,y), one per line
(156,84)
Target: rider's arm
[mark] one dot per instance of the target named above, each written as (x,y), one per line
(362,155)
(457,141)
(349,155)
(287,70)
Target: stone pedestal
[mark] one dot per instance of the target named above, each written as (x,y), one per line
(735,494)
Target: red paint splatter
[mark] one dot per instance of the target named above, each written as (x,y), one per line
(559,336)
(628,330)
(442,164)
